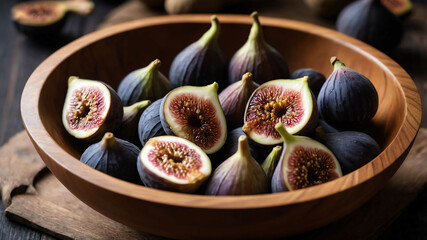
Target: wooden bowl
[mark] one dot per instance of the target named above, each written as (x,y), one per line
(110,54)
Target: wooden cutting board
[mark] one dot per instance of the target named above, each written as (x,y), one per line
(34,197)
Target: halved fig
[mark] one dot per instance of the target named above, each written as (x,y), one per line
(194,113)
(91,109)
(304,163)
(285,101)
(174,164)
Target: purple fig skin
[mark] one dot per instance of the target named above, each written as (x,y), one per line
(371,22)
(258,57)
(352,149)
(113,156)
(347,99)
(316,79)
(149,123)
(202,62)
(326,127)
(131,116)
(240,174)
(234,98)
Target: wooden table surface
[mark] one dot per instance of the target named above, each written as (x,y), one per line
(19,56)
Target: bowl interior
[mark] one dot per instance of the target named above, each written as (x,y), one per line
(111,58)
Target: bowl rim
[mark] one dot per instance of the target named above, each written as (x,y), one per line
(42,139)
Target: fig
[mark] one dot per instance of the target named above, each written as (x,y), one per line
(401,8)
(202,62)
(259,152)
(173,163)
(194,113)
(91,109)
(304,162)
(147,83)
(327,8)
(149,123)
(257,57)
(233,100)
(284,100)
(353,149)
(44,18)
(270,163)
(316,78)
(240,174)
(347,99)
(371,22)
(326,127)
(131,115)
(113,156)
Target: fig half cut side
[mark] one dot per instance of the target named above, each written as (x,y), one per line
(304,163)
(173,163)
(91,108)
(194,113)
(285,101)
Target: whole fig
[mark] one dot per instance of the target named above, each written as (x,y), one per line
(257,57)
(352,149)
(270,163)
(240,174)
(347,99)
(202,62)
(149,123)
(113,156)
(316,78)
(147,83)
(304,163)
(131,116)
(371,22)
(234,98)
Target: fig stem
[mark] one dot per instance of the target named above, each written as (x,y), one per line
(336,63)
(247,78)
(154,65)
(214,86)
(256,29)
(213,32)
(286,136)
(71,79)
(136,106)
(243,148)
(108,141)
(271,161)
(79,7)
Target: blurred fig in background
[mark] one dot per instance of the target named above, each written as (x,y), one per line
(40,19)
(400,8)
(196,6)
(371,22)
(327,8)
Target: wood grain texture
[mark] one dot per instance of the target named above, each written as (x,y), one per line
(109,54)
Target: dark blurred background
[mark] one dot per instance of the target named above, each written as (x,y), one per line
(20,55)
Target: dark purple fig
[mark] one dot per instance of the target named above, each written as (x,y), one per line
(286,101)
(174,164)
(316,78)
(257,57)
(270,163)
(259,152)
(91,109)
(129,126)
(240,174)
(327,8)
(149,124)
(194,113)
(352,149)
(147,83)
(304,163)
(234,98)
(202,62)
(40,19)
(401,8)
(113,156)
(326,127)
(371,22)
(347,99)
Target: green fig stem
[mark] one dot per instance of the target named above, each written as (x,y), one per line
(214,86)
(286,136)
(108,141)
(154,65)
(271,161)
(243,147)
(212,34)
(256,29)
(79,7)
(336,63)
(134,108)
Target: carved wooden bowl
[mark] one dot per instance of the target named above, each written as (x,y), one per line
(108,55)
